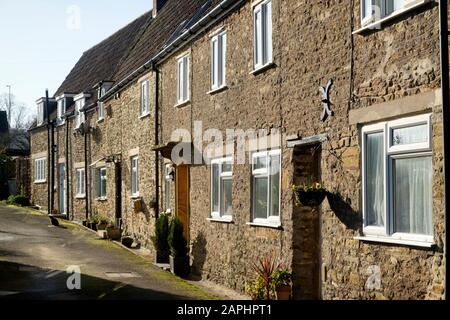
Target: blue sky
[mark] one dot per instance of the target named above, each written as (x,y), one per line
(41,40)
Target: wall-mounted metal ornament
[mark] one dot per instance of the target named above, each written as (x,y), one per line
(326,101)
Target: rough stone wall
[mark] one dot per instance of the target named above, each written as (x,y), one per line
(313,43)
(124,132)
(38,145)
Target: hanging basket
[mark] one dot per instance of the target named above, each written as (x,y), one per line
(311,198)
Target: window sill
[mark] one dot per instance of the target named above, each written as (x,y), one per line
(265,225)
(262,68)
(183,104)
(387,240)
(217,90)
(40,181)
(136,197)
(221,220)
(100,120)
(101,199)
(80,197)
(377,24)
(145,115)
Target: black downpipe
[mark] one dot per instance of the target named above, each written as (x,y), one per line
(443,20)
(52,191)
(118,183)
(67,172)
(86,168)
(49,148)
(156,141)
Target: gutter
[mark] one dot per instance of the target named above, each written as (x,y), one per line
(222,9)
(444,56)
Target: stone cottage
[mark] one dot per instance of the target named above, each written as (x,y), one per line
(215,117)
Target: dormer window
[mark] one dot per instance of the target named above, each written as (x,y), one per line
(62,102)
(103,87)
(40,113)
(80,101)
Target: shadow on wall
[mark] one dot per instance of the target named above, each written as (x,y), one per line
(343,210)
(199,254)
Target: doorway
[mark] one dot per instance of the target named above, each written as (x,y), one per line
(62,189)
(182,197)
(306,268)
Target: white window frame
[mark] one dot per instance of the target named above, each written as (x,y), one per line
(40,113)
(262,34)
(61,110)
(381,11)
(218,60)
(135,168)
(145,98)
(102,194)
(168,180)
(80,182)
(390,154)
(183,73)
(79,115)
(40,174)
(265,173)
(228,175)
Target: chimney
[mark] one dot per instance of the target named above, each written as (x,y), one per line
(157,5)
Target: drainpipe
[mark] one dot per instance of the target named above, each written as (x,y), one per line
(443,33)
(67,171)
(49,148)
(86,168)
(156,70)
(52,191)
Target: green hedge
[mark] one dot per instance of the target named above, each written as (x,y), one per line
(19,200)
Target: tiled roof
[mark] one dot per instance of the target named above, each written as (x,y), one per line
(157,34)
(100,62)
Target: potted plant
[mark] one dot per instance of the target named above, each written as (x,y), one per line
(160,239)
(282,280)
(265,268)
(94,222)
(127,241)
(102,223)
(113,232)
(309,194)
(179,259)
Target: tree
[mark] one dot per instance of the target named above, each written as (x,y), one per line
(20,117)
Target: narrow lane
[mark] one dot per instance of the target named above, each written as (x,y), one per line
(35,257)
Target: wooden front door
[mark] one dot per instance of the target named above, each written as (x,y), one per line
(182,197)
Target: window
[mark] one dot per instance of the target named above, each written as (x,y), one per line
(101,183)
(40,113)
(218,60)
(397,179)
(79,115)
(40,170)
(373,10)
(145,102)
(81,183)
(61,110)
(135,176)
(168,179)
(266,168)
(221,188)
(101,111)
(183,79)
(262,21)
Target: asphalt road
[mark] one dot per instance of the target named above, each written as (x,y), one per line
(35,258)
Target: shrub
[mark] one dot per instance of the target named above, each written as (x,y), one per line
(177,241)
(160,239)
(281,277)
(256,289)
(19,200)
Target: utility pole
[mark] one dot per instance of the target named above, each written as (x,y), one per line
(9,103)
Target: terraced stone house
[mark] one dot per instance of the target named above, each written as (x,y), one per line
(212,110)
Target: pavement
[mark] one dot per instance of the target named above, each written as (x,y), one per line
(40,261)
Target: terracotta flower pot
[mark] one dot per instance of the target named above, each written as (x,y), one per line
(113,233)
(311,198)
(283,292)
